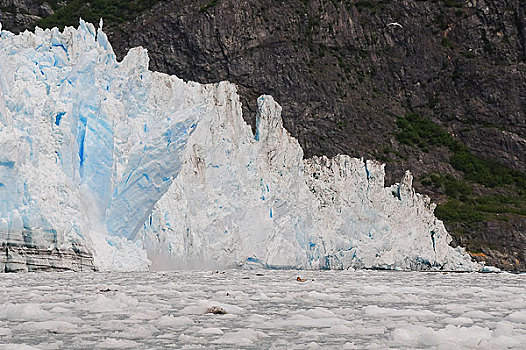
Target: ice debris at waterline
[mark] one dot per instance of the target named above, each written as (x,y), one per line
(264,310)
(107,165)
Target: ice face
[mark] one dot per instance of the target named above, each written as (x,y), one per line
(87,145)
(253,201)
(106,158)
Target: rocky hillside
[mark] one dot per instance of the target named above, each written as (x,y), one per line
(437,87)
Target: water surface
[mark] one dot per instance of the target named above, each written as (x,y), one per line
(264,309)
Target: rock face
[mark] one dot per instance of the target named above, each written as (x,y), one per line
(107,165)
(509,234)
(19,15)
(343,72)
(22,258)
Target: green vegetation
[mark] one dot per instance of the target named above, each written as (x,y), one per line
(456,211)
(454,3)
(208,6)
(368,4)
(8,9)
(464,204)
(487,172)
(420,132)
(468,54)
(481,208)
(447,43)
(67,13)
(417,131)
(448,184)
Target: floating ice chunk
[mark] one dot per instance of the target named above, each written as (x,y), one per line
(111,343)
(103,304)
(243,337)
(59,310)
(340,329)
(128,300)
(189,338)
(17,347)
(490,269)
(137,332)
(24,312)
(517,317)
(210,331)
(49,326)
(203,307)
(319,313)
(57,345)
(174,321)
(452,336)
(477,314)
(373,310)
(462,321)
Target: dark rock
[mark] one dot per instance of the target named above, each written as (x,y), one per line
(25,259)
(18,15)
(216,310)
(497,243)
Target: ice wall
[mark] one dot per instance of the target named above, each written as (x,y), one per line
(253,201)
(110,160)
(87,145)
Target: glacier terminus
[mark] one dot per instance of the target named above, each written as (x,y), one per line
(105,165)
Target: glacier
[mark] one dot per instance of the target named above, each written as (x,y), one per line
(105,165)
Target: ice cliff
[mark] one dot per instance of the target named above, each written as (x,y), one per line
(107,165)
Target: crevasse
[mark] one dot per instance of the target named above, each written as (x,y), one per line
(107,165)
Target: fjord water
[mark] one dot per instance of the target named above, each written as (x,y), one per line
(264,309)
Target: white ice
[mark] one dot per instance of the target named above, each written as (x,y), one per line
(139,168)
(269,309)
